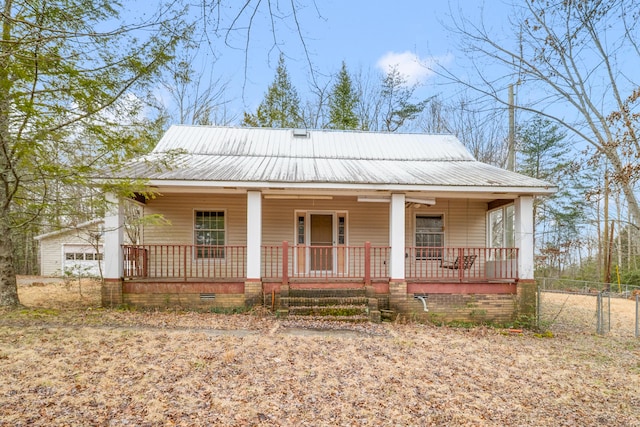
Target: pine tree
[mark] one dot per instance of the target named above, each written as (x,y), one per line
(396,96)
(342,102)
(544,156)
(65,92)
(280,107)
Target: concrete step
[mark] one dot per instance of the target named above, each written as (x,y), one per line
(322,301)
(327,293)
(348,319)
(342,304)
(329,310)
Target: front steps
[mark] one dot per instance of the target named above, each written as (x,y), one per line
(346,305)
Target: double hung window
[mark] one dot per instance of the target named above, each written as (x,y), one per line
(429,236)
(209,234)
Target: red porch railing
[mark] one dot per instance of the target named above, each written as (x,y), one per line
(184,262)
(461,264)
(323,263)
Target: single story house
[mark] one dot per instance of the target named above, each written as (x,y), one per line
(76,250)
(255,213)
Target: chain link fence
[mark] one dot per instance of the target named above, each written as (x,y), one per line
(588,307)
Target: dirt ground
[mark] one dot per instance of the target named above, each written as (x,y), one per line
(51,292)
(72,363)
(577,313)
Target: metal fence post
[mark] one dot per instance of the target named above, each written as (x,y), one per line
(637,320)
(608,326)
(599,313)
(538,300)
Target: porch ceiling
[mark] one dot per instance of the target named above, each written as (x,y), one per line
(338,192)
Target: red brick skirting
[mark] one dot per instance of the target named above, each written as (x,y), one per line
(130,287)
(461,288)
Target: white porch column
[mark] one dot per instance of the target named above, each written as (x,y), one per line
(396,237)
(524,236)
(113,237)
(254,233)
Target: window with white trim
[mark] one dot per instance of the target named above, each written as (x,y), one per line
(209,234)
(429,236)
(502,227)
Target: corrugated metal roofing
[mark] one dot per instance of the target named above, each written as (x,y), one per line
(338,157)
(318,144)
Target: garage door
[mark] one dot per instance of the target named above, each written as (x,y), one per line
(82,260)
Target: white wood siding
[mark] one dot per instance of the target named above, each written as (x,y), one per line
(179,209)
(465,220)
(52,252)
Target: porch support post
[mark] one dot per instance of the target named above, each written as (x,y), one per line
(113,259)
(524,236)
(526,290)
(396,237)
(113,237)
(254,234)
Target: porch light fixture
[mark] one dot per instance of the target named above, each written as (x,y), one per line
(429,201)
(373,199)
(296,197)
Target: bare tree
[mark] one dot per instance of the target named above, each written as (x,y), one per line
(480,128)
(369,105)
(385,102)
(575,63)
(241,23)
(198,99)
(314,111)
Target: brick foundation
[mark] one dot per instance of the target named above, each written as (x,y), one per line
(252,293)
(191,301)
(527,298)
(111,293)
(474,308)
(446,302)
(189,295)
(398,298)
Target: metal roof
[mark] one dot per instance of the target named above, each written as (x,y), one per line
(73,228)
(271,156)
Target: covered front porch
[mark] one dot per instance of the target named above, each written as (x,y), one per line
(286,264)
(329,250)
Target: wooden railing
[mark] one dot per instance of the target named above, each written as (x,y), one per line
(461,264)
(184,262)
(323,263)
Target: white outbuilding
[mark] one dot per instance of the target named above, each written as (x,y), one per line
(76,251)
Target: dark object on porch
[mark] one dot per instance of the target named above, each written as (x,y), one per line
(467,262)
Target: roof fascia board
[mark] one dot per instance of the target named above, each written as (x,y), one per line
(213,187)
(70,229)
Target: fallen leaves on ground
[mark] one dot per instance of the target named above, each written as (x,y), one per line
(104,367)
(63,361)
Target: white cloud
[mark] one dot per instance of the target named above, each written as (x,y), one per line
(410,65)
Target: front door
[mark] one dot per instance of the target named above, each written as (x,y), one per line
(321,242)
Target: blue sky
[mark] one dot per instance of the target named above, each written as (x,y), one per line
(368,35)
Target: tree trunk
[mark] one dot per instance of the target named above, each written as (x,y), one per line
(8,283)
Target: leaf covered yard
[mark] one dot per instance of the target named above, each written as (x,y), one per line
(95,367)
